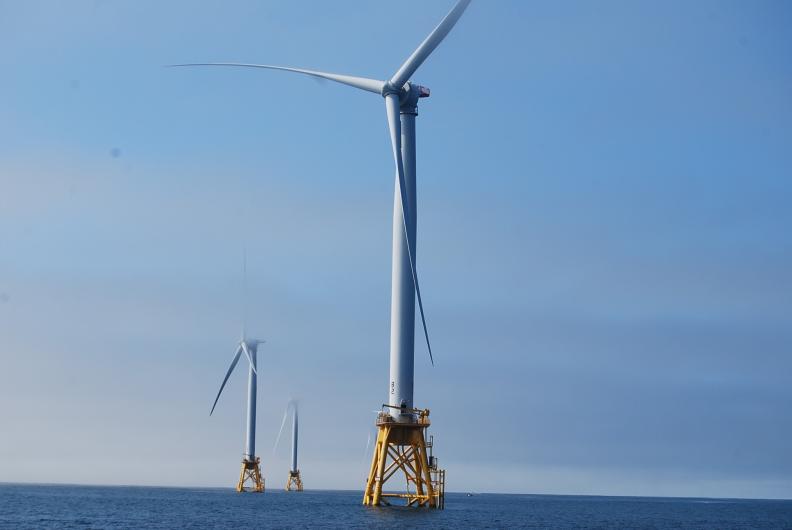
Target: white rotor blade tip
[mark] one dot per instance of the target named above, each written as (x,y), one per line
(429,44)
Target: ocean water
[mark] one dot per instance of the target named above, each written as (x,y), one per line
(55,506)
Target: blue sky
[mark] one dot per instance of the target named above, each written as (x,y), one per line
(604,241)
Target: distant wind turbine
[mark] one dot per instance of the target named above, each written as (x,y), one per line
(251,470)
(294,480)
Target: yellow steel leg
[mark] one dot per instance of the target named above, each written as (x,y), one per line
(427,477)
(383,454)
(418,465)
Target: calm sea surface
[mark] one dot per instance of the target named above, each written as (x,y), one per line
(37,506)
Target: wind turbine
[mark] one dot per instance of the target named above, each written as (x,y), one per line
(251,468)
(294,481)
(404,425)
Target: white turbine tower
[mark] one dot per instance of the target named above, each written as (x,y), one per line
(404,427)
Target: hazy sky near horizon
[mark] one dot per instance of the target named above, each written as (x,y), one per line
(605,241)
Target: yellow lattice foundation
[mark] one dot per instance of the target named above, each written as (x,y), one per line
(251,473)
(294,483)
(401,449)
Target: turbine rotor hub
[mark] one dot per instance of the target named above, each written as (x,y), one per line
(389,88)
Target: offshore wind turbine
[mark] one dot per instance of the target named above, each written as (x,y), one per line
(294,480)
(401,430)
(251,464)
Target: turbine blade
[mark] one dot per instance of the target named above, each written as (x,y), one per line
(228,374)
(368,444)
(249,357)
(428,45)
(394,128)
(244,292)
(363,83)
(394,125)
(280,431)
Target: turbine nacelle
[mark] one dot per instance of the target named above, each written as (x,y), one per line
(406,91)
(251,344)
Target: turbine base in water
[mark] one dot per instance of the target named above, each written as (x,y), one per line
(294,483)
(403,446)
(251,474)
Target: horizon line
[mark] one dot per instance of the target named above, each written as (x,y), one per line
(473,493)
